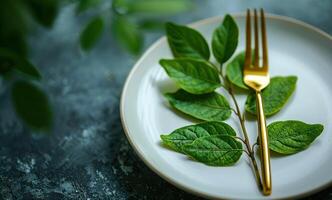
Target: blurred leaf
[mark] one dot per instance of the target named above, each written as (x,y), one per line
(120,6)
(12,17)
(15,42)
(13,27)
(91,33)
(152,25)
(128,34)
(32,105)
(6,63)
(159,6)
(27,68)
(44,11)
(9,60)
(84,5)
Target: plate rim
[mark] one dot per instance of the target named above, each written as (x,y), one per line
(155,44)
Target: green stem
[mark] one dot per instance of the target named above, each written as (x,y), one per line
(251,153)
(253,147)
(239,138)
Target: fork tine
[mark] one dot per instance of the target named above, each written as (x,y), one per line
(264,41)
(247,62)
(256,54)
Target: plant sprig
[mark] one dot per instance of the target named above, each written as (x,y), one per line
(214,142)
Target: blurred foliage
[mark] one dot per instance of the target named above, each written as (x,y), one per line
(128,34)
(156,7)
(84,5)
(17,15)
(38,114)
(11,61)
(16,19)
(129,19)
(91,33)
(44,11)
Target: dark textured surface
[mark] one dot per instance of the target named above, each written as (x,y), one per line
(87,156)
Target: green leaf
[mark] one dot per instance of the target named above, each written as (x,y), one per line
(186,135)
(274,96)
(31,105)
(159,7)
(44,11)
(151,25)
(14,26)
(234,71)
(194,76)
(11,12)
(120,6)
(289,137)
(216,150)
(15,42)
(128,34)
(91,33)
(84,5)
(225,39)
(207,107)
(186,42)
(9,60)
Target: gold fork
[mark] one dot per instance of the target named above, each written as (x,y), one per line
(257,77)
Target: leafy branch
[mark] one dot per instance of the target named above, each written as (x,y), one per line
(250,150)
(214,142)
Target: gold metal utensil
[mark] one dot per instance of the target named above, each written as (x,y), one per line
(257,77)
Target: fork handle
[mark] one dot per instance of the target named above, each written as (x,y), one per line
(263,142)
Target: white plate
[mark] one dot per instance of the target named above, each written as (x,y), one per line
(295,48)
